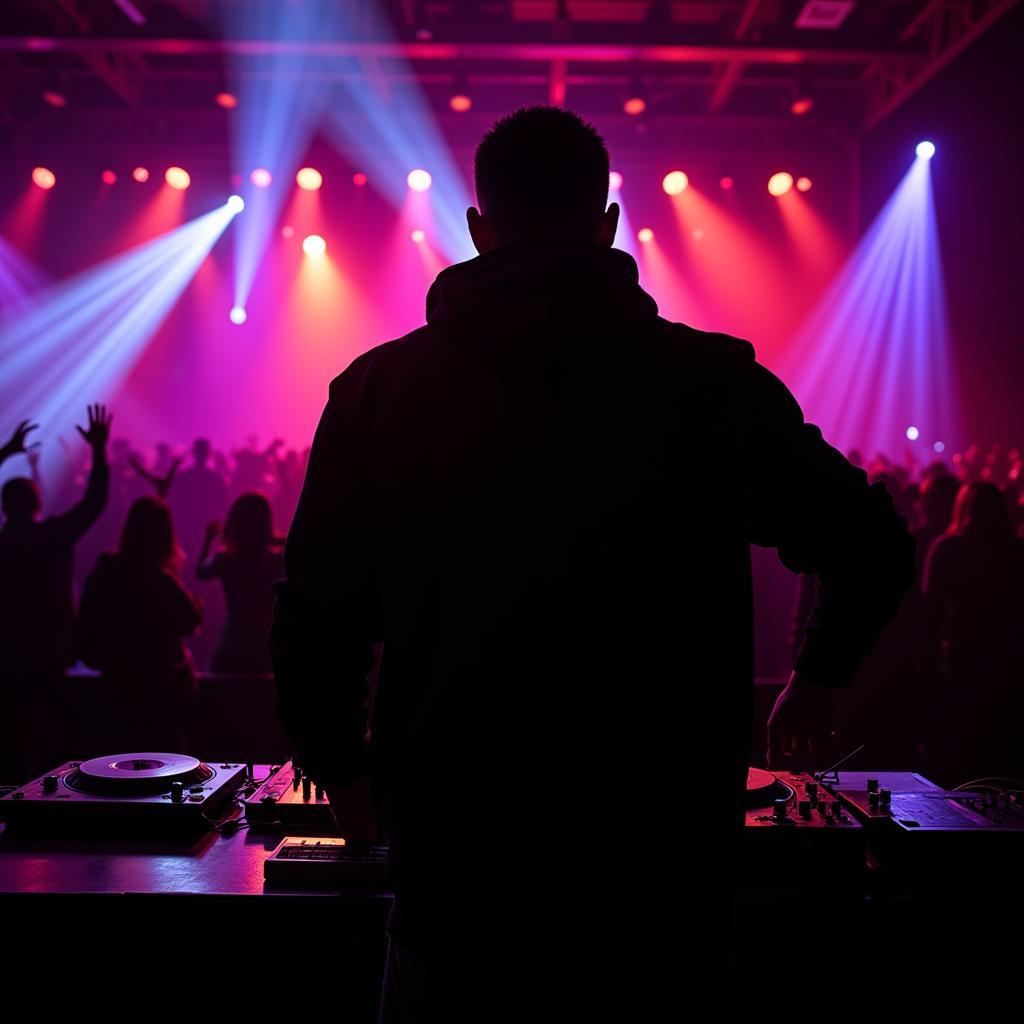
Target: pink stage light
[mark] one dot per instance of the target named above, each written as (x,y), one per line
(261,177)
(141,175)
(55,99)
(460,103)
(645,235)
(109,177)
(803,184)
(43,177)
(419,180)
(309,178)
(801,105)
(359,179)
(314,245)
(178,177)
(614,181)
(726,183)
(226,100)
(913,433)
(675,182)
(418,235)
(634,106)
(780,183)
(287,231)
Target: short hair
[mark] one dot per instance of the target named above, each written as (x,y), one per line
(542,171)
(20,498)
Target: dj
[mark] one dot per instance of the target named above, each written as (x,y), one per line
(541,503)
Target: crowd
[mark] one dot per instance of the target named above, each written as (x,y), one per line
(176,556)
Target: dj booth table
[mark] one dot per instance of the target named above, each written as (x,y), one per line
(174,925)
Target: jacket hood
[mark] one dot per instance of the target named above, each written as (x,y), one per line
(532,295)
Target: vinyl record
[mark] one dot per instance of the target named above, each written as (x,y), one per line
(138,767)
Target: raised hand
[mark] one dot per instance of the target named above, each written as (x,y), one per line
(16,444)
(99,427)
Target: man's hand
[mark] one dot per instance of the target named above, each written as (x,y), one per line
(16,445)
(352,807)
(99,428)
(800,724)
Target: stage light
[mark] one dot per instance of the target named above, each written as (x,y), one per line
(261,177)
(314,245)
(309,178)
(780,183)
(237,315)
(141,175)
(726,183)
(913,433)
(614,181)
(674,182)
(43,177)
(419,180)
(634,106)
(178,177)
(55,99)
(925,150)
(698,234)
(359,179)
(645,235)
(803,184)
(418,235)
(287,231)
(108,177)
(938,447)
(801,105)
(226,100)
(235,204)
(461,102)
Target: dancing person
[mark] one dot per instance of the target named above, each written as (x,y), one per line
(37,608)
(542,503)
(134,614)
(248,563)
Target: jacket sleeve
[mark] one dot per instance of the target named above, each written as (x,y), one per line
(325,619)
(825,520)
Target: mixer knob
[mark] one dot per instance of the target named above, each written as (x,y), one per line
(779,810)
(812,793)
(837,810)
(307,787)
(50,783)
(872,785)
(319,792)
(873,799)
(805,809)
(177,792)
(885,797)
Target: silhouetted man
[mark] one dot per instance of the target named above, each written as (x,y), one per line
(37,613)
(542,503)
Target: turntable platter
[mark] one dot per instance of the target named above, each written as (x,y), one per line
(139,766)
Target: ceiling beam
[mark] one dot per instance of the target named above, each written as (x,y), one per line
(391,50)
(732,72)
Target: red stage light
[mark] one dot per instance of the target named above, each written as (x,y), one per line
(359,179)
(141,175)
(801,105)
(226,100)
(178,177)
(43,177)
(726,182)
(645,235)
(675,182)
(460,103)
(55,99)
(803,184)
(634,105)
(108,177)
(287,231)
(418,235)
(309,178)
(261,177)
(780,183)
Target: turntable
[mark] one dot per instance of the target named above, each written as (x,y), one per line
(143,788)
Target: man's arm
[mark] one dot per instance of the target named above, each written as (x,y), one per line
(825,520)
(325,620)
(16,445)
(80,517)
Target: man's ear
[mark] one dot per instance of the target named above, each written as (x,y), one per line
(608,225)
(480,231)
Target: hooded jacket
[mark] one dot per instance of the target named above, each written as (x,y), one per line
(542,503)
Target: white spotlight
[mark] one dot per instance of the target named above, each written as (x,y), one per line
(236,204)
(925,150)
(237,315)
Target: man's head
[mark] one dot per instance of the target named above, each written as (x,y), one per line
(541,174)
(20,500)
(201,451)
